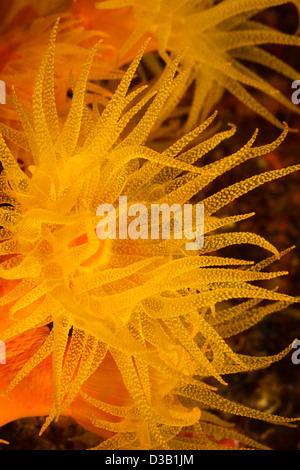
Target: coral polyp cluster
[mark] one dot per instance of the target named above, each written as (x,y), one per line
(150,307)
(131,336)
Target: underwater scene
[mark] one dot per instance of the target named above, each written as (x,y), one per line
(149,225)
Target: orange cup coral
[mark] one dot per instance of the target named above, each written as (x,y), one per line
(138,325)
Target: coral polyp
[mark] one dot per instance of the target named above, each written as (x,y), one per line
(224,43)
(144,314)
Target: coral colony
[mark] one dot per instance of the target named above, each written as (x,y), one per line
(117,302)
